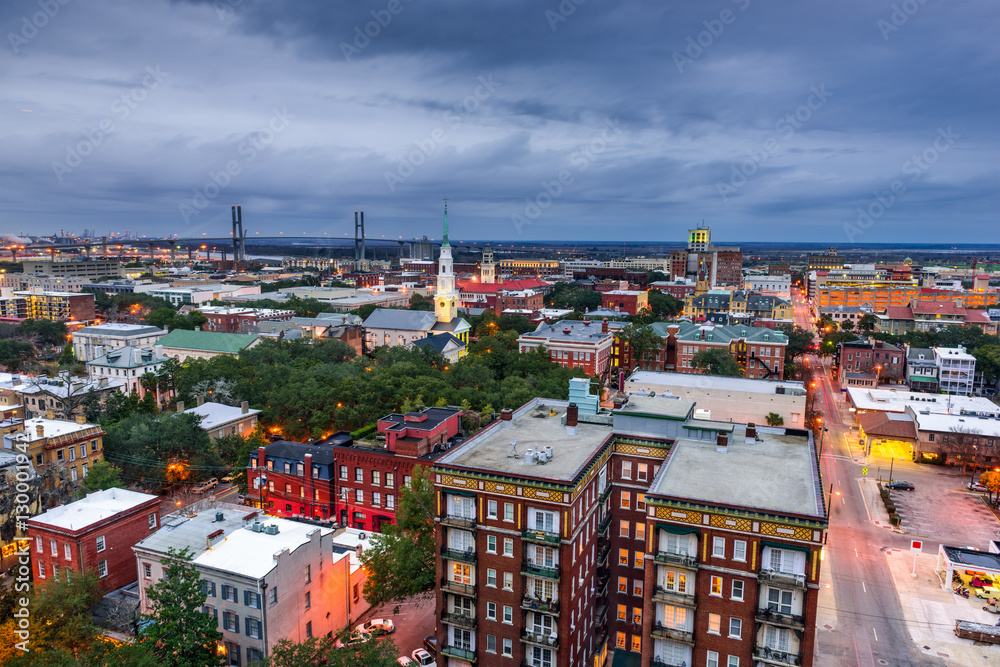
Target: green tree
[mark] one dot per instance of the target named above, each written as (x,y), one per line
(831,340)
(867,322)
(774,419)
(60,617)
(102,475)
(716,361)
(161,317)
(15,353)
(400,561)
(664,305)
(420,302)
(68,358)
(182,635)
(988,362)
(847,325)
(320,651)
(45,332)
(640,340)
(799,341)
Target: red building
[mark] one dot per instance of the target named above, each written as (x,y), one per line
(679,289)
(354,483)
(625,301)
(518,300)
(94,534)
(572,344)
(241,320)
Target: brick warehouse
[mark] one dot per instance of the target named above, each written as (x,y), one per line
(355,483)
(562,537)
(96,533)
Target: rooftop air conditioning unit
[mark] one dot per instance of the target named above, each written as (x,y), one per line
(271,530)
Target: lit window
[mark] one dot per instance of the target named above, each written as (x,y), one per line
(626,500)
(637,615)
(639,558)
(620,642)
(640,501)
(714,624)
(622,612)
(637,642)
(640,531)
(623,556)
(716,588)
(623,528)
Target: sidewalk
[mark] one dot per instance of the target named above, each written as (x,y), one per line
(877,513)
(931,612)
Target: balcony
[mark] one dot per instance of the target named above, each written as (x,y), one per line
(540,639)
(601,613)
(532,570)
(458,652)
(602,586)
(455,588)
(466,556)
(459,618)
(661,631)
(605,494)
(529,603)
(543,536)
(782,578)
(603,526)
(676,559)
(456,521)
(775,657)
(657,661)
(673,597)
(602,554)
(773,617)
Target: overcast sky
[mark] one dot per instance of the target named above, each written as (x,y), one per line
(850,121)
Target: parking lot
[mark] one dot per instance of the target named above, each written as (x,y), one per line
(414,621)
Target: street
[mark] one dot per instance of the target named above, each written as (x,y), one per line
(866,626)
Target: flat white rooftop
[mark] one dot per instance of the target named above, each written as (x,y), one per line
(953,423)
(51,428)
(666,406)
(778,473)
(214,414)
(96,507)
(539,424)
(893,400)
(663,379)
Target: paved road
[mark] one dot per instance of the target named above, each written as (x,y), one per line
(869,630)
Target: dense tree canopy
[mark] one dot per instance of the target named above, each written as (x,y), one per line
(716,361)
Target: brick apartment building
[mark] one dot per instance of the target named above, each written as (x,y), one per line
(679,289)
(612,274)
(573,344)
(95,534)
(241,320)
(625,301)
(871,355)
(520,300)
(353,483)
(565,536)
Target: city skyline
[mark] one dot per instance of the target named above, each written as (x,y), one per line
(849,124)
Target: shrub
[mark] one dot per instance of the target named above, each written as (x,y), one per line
(364,431)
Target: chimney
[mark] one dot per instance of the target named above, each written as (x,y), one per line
(721,442)
(751,435)
(136,355)
(80,419)
(261,457)
(604,325)
(308,468)
(180,406)
(201,401)
(40,430)
(50,414)
(506,416)
(245,407)
(159,350)
(572,417)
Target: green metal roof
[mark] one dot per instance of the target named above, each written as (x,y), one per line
(207,341)
(923,378)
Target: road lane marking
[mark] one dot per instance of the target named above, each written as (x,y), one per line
(863,587)
(875,633)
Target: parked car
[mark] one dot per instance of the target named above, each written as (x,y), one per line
(976,486)
(377,626)
(423,658)
(404,660)
(352,639)
(900,485)
(431,644)
(207,485)
(228,478)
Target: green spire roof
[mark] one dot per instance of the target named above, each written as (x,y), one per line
(445,244)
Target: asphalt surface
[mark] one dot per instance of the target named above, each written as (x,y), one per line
(870,630)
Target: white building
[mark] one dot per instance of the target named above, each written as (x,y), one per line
(92,342)
(267,579)
(128,364)
(195,294)
(782,285)
(956,370)
(219,420)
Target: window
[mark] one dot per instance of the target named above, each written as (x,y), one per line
(491,509)
(622,584)
(626,498)
(229,593)
(359,496)
(491,611)
(639,558)
(623,528)
(390,501)
(734,661)
(776,638)
(152,520)
(508,546)
(718,547)
(147,571)
(740,550)
(714,624)
(208,587)
(626,470)
(637,587)
(359,475)
(640,530)
(641,472)
(737,590)
(343,472)
(376,477)
(491,544)
(461,573)
(508,512)
(508,581)
(636,642)
(308,600)
(779,600)
(38,544)
(376,499)
(406,480)
(712,660)
(508,614)
(622,612)
(55,571)
(623,556)
(102,569)
(253,628)
(53,547)
(491,643)
(230,621)
(491,577)
(288,489)
(716,587)
(309,573)
(640,501)
(272,597)
(620,640)
(508,647)
(41,569)
(637,615)
(100,544)
(735,628)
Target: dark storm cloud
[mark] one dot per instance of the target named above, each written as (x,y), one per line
(538,120)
